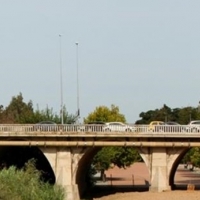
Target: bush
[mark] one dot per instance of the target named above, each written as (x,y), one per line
(25,184)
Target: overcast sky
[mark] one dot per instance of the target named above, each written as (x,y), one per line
(137,55)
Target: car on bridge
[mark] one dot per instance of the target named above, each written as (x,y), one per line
(73,127)
(94,126)
(193,126)
(155,126)
(171,126)
(45,126)
(118,127)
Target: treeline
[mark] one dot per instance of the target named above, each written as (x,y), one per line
(20,112)
(181,115)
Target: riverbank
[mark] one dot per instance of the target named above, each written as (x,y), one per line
(169,195)
(137,175)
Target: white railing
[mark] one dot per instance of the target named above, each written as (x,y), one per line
(26,128)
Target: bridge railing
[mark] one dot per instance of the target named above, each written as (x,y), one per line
(15,128)
(26,128)
(165,128)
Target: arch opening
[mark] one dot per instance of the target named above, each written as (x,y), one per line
(184,172)
(103,188)
(18,156)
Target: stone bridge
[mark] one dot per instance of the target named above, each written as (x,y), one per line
(67,151)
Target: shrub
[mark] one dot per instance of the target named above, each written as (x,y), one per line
(25,184)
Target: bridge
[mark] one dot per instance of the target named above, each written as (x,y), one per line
(69,149)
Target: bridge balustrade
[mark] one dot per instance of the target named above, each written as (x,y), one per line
(26,128)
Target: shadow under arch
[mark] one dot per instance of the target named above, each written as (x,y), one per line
(19,155)
(84,164)
(175,166)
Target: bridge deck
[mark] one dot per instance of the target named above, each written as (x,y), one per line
(73,135)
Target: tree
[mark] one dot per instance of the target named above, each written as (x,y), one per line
(18,111)
(192,157)
(105,114)
(125,156)
(48,115)
(195,156)
(180,115)
(120,156)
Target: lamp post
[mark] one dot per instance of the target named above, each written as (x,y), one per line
(198,108)
(61,84)
(77,78)
(165,116)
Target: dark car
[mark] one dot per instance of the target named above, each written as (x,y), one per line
(96,126)
(171,126)
(172,123)
(45,126)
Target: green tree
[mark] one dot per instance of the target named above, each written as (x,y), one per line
(192,156)
(21,112)
(120,156)
(180,115)
(125,156)
(18,111)
(105,114)
(195,156)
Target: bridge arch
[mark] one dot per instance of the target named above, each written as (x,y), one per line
(83,165)
(181,154)
(19,155)
(82,169)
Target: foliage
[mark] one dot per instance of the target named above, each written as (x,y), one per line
(103,158)
(23,113)
(25,184)
(17,111)
(180,115)
(125,156)
(192,156)
(105,114)
(119,156)
(195,156)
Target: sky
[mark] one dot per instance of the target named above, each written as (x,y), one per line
(137,55)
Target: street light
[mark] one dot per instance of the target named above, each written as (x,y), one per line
(77,77)
(198,109)
(61,84)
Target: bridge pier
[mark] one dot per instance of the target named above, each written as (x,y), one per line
(160,161)
(61,162)
(71,192)
(159,170)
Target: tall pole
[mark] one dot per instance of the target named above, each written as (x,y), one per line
(61,84)
(77,74)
